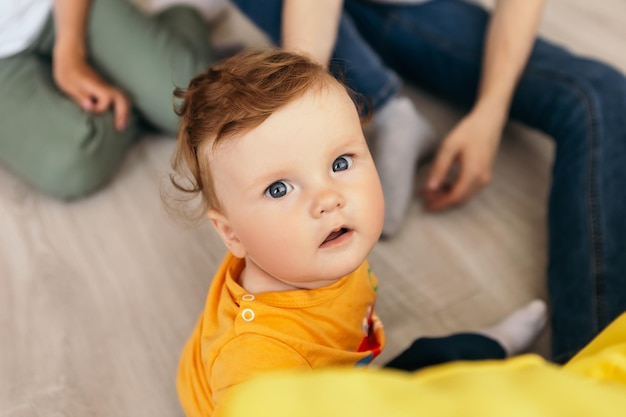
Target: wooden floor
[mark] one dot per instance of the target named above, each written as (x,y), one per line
(97,297)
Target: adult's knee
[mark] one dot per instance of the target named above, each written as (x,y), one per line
(187,22)
(600,89)
(569,103)
(601,97)
(78,167)
(600,79)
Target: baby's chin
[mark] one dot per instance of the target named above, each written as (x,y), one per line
(345,269)
(328,269)
(322,281)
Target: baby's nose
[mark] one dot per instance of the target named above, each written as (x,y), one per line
(326,201)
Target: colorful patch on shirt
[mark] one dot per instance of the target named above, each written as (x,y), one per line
(370,343)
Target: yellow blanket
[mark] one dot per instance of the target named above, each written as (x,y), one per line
(593,383)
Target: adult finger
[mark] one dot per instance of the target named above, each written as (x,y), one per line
(121,108)
(80,97)
(458,192)
(441,167)
(102,97)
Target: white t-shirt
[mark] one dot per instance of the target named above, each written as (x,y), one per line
(20,23)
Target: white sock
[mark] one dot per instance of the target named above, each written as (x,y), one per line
(403,136)
(519,329)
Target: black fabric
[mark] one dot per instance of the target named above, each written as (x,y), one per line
(429,351)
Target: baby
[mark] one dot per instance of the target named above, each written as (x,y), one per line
(273,145)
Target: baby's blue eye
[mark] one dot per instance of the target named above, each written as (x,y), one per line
(278,189)
(342,163)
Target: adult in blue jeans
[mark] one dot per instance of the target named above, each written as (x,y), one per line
(495,65)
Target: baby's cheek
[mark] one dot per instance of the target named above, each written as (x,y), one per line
(376,213)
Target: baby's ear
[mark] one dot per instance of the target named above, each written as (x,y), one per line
(224,229)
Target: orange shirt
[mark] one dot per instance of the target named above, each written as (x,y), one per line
(240,335)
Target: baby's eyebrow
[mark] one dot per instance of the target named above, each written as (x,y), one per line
(263,181)
(352,142)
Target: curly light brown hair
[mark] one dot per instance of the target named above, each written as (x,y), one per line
(229,99)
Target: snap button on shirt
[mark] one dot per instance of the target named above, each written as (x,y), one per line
(247,314)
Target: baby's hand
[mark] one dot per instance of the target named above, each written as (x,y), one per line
(79,81)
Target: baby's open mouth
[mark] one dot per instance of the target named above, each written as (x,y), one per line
(334,235)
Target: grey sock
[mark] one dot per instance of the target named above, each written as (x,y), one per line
(403,136)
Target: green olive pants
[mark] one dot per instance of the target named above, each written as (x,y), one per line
(46,139)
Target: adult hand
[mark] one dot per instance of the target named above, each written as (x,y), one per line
(79,81)
(463,165)
(471,146)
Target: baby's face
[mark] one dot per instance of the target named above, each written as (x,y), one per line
(301,192)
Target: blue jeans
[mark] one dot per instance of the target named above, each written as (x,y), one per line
(580,103)
(360,68)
